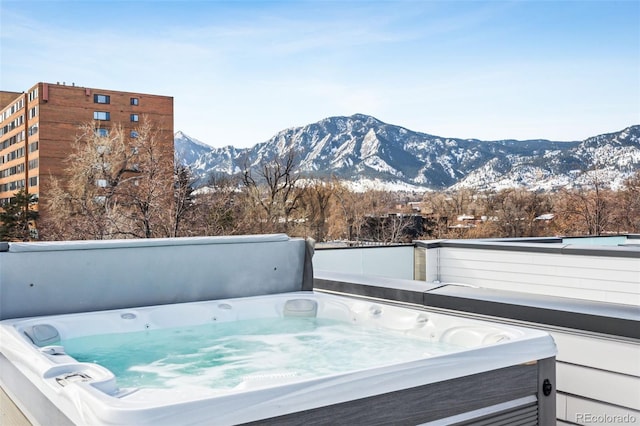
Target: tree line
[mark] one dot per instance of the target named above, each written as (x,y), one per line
(118,187)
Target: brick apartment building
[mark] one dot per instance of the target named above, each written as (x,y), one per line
(37,128)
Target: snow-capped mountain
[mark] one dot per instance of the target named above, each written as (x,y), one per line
(361,148)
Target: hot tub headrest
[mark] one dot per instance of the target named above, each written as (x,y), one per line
(300,308)
(42,334)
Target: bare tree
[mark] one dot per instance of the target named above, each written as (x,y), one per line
(219,209)
(272,189)
(183,198)
(514,211)
(349,213)
(317,197)
(626,206)
(443,208)
(115,186)
(588,209)
(147,192)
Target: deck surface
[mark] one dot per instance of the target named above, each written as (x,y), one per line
(10,415)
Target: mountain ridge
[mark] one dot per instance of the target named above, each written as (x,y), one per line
(360,147)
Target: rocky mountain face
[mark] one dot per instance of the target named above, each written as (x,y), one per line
(363,150)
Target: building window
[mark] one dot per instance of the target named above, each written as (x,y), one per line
(33,146)
(33,164)
(33,94)
(101,99)
(101,115)
(102,133)
(33,130)
(18,184)
(134,101)
(134,134)
(134,118)
(101,183)
(33,181)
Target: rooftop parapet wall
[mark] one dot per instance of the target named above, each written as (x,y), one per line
(597,273)
(80,276)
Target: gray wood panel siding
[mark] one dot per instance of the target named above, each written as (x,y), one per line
(521,416)
(424,403)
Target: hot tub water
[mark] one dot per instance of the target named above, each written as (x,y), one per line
(235,354)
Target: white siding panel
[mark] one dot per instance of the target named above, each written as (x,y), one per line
(587,272)
(565,278)
(548,259)
(587,412)
(550,289)
(561,406)
(536,258)
(612,388)
(611,355)
(610,279)
(432,259)
(593,268)
(623,298)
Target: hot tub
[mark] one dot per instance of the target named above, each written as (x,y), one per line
(286,358)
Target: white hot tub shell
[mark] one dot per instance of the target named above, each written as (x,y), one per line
(88,393)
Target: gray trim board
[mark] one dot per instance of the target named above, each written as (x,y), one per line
(547,403)
(373,246)
(533,246)
(407,291)
(406,296)
(598,317)
(307,269)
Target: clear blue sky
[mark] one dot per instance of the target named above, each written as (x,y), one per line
(241,71)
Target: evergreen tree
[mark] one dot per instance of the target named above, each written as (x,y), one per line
(16,216)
